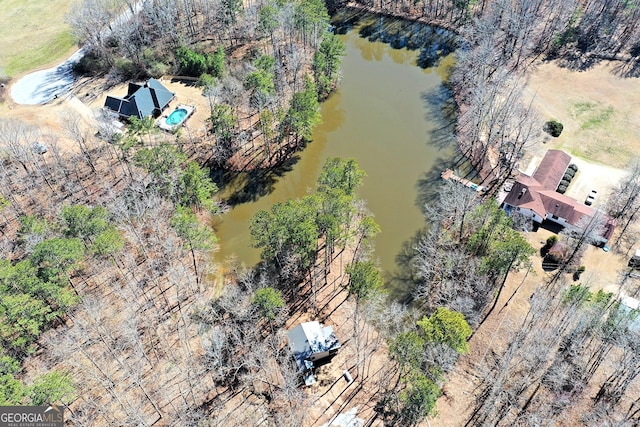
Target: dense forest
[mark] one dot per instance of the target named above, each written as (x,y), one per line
(112,305)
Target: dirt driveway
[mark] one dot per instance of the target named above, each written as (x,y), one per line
(84,103)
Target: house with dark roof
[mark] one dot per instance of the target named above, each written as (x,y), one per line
(536,197)
(142,100)
(551,169)
(312,344)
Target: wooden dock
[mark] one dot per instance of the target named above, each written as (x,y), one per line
(450,175)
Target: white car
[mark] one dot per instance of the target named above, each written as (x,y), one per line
(591,198)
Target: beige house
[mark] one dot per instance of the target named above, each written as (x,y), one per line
(536,197)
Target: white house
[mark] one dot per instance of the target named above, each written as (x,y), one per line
(311,343)
(536,196)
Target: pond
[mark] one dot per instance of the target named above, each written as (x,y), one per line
(384,115)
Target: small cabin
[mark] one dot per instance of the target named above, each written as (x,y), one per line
(312,344)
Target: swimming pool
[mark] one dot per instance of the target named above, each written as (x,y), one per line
(177,116)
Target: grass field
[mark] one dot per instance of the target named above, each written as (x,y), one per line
(599,109)
(33,34)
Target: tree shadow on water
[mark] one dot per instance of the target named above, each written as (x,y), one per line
(438,44)
(433,42)
(345,20)
(249,186)
(402,282)
(428,184)
(440,109)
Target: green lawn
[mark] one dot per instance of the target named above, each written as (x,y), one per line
(592,115)
(33,34)
(604,133)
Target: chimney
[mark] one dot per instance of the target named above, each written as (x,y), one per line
(522,193)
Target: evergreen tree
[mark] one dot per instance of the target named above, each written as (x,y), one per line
(446,327)
(269,301)
(364,278)
(304,112)
(288,232)
(50,388)
(326,64)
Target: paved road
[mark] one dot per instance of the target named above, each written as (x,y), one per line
(43,86)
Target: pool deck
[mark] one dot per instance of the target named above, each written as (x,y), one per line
(162,120)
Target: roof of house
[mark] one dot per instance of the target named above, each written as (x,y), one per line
(551,169)
(524,194)
(609,228)
(148,99)
(628,306)
(564,207)
(537,193)
(632,303)
(309,338)
(527,193)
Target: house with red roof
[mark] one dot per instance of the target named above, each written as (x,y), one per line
(536,197)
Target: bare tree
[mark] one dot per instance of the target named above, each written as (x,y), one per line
(586,231)
(16,140)
(623,203)
(91,23)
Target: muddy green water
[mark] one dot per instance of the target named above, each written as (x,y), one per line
(379,117)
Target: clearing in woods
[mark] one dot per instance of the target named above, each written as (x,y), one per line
(600,111)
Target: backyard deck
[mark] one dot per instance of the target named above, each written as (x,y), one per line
(450,175)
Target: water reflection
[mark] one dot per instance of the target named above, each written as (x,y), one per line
(332,115)
(381,115)
(433,43)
